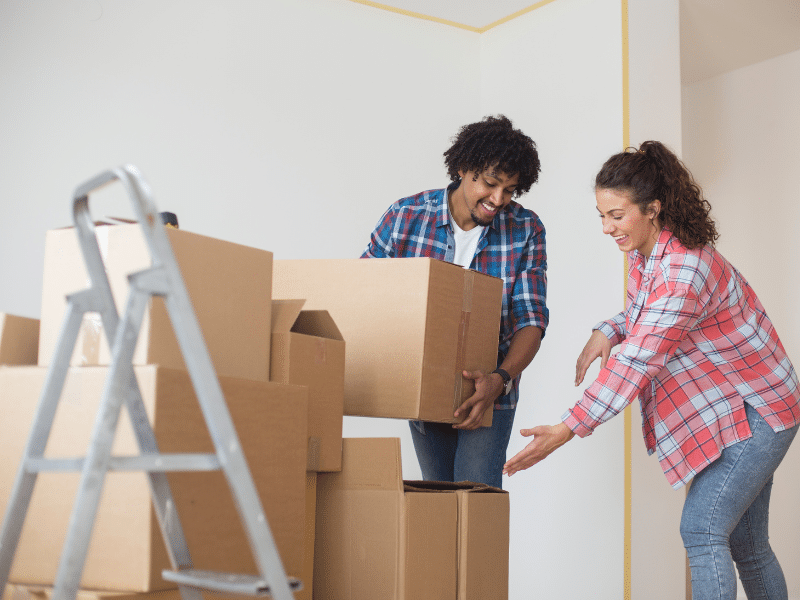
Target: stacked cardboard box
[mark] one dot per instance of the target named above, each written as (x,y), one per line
(230,288)
(19,339)
(379,537)
(342,517)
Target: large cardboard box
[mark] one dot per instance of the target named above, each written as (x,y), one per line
(380,538)
(411,325)
(19,340)
(229,285)
(127,552)
(307,349)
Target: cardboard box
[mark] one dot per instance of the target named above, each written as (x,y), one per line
(307,349)
(380,538)
(127,552)
(19,340)
(307,576)
(229,285)
(411,325)
(483,543)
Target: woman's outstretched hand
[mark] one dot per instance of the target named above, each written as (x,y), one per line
(546,439)
(598,346)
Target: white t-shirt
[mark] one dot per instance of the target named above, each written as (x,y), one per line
(466,243)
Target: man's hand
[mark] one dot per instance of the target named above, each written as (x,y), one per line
(546,439)
(488,388)
(597,346)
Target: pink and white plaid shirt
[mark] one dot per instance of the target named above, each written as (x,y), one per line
(696,345)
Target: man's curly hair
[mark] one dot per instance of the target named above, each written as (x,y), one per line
(493,142)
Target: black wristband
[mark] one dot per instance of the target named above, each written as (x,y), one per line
(506,380)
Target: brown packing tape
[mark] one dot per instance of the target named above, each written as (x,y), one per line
(92,333)
(463,330)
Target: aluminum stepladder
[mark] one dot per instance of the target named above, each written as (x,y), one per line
(163,279)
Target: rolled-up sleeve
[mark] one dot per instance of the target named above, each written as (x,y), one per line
(614,328)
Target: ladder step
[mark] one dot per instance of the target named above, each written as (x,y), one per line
(225,583)
(154,463)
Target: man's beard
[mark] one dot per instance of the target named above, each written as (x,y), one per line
(481,222)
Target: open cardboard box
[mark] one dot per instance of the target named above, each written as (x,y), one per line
(307,349)
(411,325)
(127,552)
(378,537)
(229,286)
(19,340)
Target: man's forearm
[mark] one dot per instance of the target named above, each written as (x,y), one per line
(524,346)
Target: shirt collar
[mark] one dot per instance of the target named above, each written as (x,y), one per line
(659,248)
(443,211)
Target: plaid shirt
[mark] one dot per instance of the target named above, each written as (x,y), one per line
(512,248)
(696,346)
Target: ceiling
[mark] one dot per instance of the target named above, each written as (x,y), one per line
(717,36)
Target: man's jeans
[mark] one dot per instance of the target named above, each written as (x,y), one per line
(447,454)
(725,518)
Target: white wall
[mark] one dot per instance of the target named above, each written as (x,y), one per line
(558,72)
(740,134)
(285,125)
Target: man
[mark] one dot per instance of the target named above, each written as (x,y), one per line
(475,223)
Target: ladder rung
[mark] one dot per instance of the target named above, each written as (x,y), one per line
(151,463)
(225,583)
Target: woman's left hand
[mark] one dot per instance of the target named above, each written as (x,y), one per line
(546,439)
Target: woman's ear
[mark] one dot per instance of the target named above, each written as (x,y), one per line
(654,209)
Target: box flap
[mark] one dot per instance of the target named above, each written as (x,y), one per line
(443,486)
(284,314)
(482,488)
(318,323)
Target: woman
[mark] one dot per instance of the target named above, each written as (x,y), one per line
(719,396)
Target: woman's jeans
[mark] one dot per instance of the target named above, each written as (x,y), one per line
(477,455)
(725,518)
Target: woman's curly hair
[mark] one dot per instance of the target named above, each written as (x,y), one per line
(653,172)
(493,142)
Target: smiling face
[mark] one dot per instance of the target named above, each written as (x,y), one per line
(623,220)
(480,196)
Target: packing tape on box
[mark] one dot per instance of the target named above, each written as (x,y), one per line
(463,331)
(91,333)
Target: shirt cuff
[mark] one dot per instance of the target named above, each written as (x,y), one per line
(575,425)
(608,330)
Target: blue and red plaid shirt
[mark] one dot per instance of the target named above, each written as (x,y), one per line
(696,346)
(512,248)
